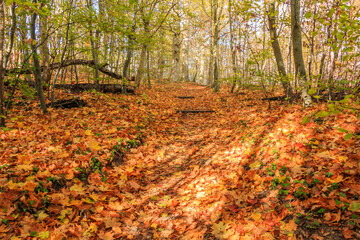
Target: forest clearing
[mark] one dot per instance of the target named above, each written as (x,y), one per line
(179,119)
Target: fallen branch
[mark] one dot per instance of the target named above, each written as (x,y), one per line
(194,111)
(102,68)
(278,98)
(185,97)
(106,88)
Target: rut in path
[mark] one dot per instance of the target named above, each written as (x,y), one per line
(187,170)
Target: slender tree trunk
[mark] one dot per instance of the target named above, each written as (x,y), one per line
(37,71)
(140,70)
(216,46)
(148,68)
(12,34)
(232,49)
(297,51)
(129,51)
(2,70)
(278,55)
(321,70)
(62,55)
(94,50)
(44,49)
(312,46)
(176,51)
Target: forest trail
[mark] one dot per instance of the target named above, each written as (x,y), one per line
(240,172)
(182,191)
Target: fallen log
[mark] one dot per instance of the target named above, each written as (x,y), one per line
(185,97)
(194,111)
(91,63)
(277,98)
(105,88)
(68,103)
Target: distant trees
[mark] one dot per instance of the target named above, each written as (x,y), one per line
(314,52)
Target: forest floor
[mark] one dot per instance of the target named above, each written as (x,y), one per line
(132,167)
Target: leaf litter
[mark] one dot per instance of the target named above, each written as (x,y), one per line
(242,172)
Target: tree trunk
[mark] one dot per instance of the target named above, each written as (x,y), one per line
(297,51)
(37,70)
(44,49)
(216,46)
(12,34)
(277,52)
(2,70)
(140,70)
(232,49)
(94,50)
(176,51)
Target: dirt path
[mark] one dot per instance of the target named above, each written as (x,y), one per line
(188,174)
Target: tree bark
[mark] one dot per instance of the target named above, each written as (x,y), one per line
(44,49)
(277,52)
(176,71)
(12,34)
(297,51)
(232,49)
(140,70)
(36,63)
(94,50)
(2,72)
(66,63)
(216,46)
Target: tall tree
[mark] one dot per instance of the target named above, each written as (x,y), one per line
(2,70)
(298,54)
(277,51)
(36,63)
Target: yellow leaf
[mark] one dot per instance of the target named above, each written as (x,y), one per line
(94,196)
(154,225)
(103,188)
(316,142)
(94,145)
(88,133)
(24,167)
(91,229)
(76,140)
(12,185)
(290,226)
(123,177)
(337,180)
(63,154)
(116,206)
(219,228)
(233,175)
(42,215)
(256,216)
(112,130)
(255,165)
(78,188)
(343,158)
(282,178)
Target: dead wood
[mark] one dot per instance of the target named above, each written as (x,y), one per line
(185,97)
(277,98)
(194,111)
(91,63)
(69,103)
(105,88)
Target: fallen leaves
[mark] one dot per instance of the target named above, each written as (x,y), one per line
(242,173)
